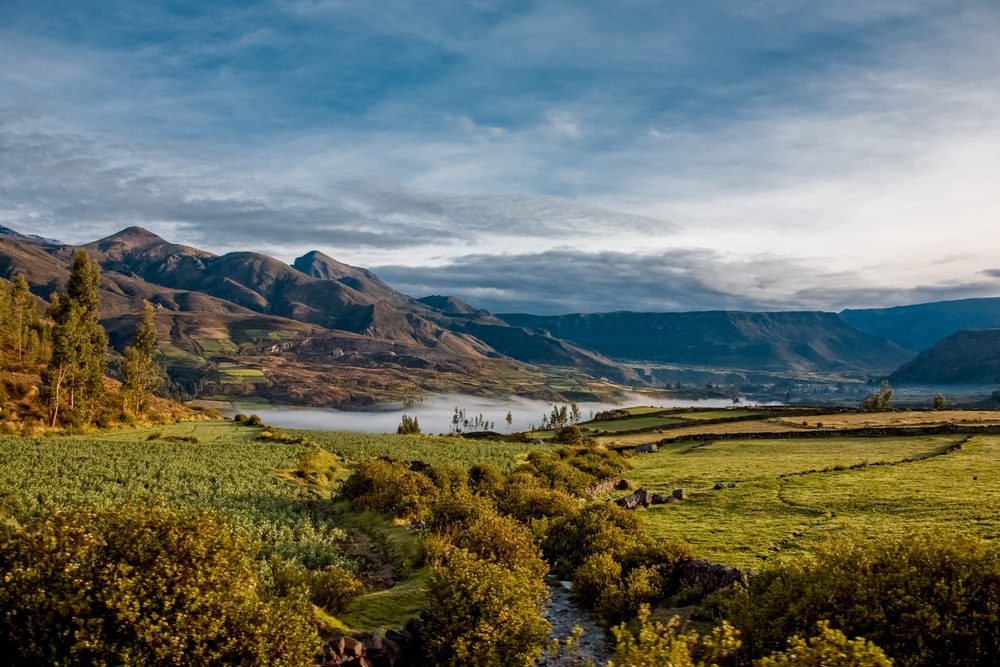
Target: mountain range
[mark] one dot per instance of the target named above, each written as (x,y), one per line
(321,332)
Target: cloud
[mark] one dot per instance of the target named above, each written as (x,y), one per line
(563,124)
(567,281)
(992,273)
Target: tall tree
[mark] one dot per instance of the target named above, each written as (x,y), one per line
(25,314)
(140,374)
(75,373)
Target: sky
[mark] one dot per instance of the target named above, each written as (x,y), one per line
(543,157)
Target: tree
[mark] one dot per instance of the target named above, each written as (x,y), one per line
(75,373)
(940,402)
(879,401)
(140,374)
(24,315)
(408,426)
(510,419)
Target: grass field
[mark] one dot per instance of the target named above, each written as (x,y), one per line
(776,512)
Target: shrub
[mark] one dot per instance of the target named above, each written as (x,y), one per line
(141,585)
(659,645)
(449,478)
(569,435)
(940,402)
(506,541)
(253,420)
(925,598)
(332,588)
(830,648)
(240,418)
(481,613)
(605,528)
(485,480)
(524,499)
(458,513)
(573,469)
(389,488)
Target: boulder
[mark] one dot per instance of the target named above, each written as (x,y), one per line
(534,441)
(719,486)
(623,485)
(732,485)
(400,637)
(641,498)
(679,494)
(647,448)
(669,499)
(417,524)
(371,640)
(353,648)
(709,576)
(657,499)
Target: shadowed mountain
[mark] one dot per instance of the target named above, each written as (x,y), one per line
(970,357)
(799,342)
(7,231)
(920,326)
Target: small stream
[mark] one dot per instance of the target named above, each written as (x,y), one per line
(563,613)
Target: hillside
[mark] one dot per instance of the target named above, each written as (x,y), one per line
(920,326)
(969,357)
(220,319)
(799,342)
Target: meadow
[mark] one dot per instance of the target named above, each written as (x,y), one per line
(791,493)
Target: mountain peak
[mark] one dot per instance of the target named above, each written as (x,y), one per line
(7,231)
(318,265)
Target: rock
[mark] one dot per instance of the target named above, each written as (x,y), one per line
(657,499)
(337,645)
(732,485)
(417,524)
(719,486)
(371,640)
(400,637)
(392,650)
(641,498)
(623,485)
(568,585)
(352,647)
(678,494)
(669,499)
(709,576)
(647,449)
(534,441)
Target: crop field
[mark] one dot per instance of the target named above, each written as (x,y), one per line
(793,492)
(227,470)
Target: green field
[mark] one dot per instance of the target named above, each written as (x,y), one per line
(776,512)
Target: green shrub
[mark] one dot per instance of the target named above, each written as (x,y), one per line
(141,585)
(253,420)
(830,648)
(240,418)
(389,488)
(408,426)
(503,540)
(458,513)
(485,480)
(524,499)
(603,528)
(451,479)
(573,469)
(659,645)
(569,435)
(925,598)
(331,588)
(481,613)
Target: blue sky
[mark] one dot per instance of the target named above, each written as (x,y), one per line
(531,156)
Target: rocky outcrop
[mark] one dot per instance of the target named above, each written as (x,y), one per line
(369,649)
(711,577)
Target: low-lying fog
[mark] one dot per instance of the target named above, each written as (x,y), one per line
(435,413)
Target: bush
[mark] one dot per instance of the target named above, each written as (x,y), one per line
(331,588)
(389,488)
(926,599)
(451,479)
(524,499)
(659,645)
(569,435)
(503,540)
(605,528)
(574,469)
(485,480)
(141,585)
(481,613)
(940,402)
(830,648)
(240,418)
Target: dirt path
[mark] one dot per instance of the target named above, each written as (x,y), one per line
(564,614)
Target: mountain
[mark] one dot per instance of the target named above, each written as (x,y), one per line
(7,231)
(969,357)
(220,311)
(920,326)
(786,342)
